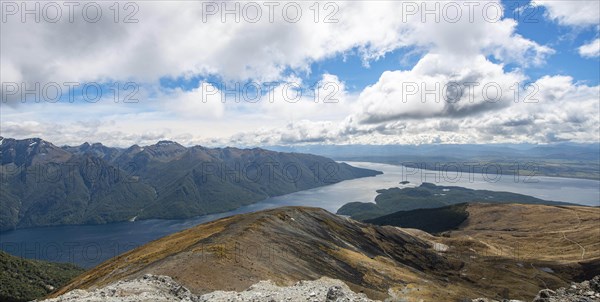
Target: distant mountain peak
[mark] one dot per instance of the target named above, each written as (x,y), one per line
(30,142)
(36,140)
(29,150)
(167,143)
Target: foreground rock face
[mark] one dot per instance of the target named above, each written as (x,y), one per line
(586,291)
(163,289)
(147,288)
(324,289)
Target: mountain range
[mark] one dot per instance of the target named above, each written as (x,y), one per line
(43,184)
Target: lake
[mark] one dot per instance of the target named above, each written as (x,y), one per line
(89,245)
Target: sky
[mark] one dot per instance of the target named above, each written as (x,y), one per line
(293,73)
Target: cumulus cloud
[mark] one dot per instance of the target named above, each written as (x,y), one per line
(584,14)
(580,13)
(557,109)
(438,86)
(204,101)
(174,39)
(590,50)
(294,100)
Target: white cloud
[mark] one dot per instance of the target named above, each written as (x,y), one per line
(578,13)
(204,101)
(438,86)
(590,50)
(324,100)
(171,39)
(558,110)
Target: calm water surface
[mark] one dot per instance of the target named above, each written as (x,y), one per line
(89,245)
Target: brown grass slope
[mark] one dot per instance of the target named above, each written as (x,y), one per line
(518,249)
(297,243)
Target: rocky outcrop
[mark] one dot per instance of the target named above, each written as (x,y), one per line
(586,291)
(147,288)
(322,290)
(164,288)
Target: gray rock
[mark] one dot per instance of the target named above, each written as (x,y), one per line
(586,291)
(164,289)
(335,294)
(546,293)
